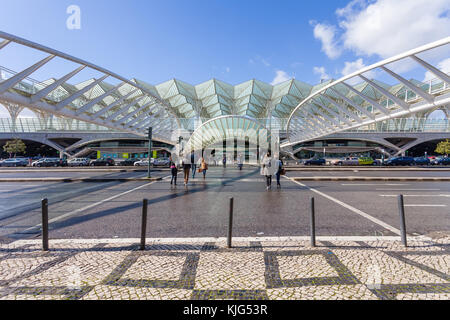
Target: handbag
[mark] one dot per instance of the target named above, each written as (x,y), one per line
(282,172)
(199,170)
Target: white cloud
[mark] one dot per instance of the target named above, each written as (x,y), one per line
(326,34)
(351,67)
(384,27)
(444,66)
(227,69)
(280,76)
(387,27)
(322,72)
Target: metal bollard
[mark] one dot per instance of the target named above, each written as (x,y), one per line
(401,209)
(144,223)
(230,224)
(313,224)
(44,206)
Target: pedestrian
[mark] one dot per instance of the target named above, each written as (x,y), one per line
(193,164)
(280,171)
(240,161)
(224,161)
(266,169)
(186,163)
(204,167)
(174,171)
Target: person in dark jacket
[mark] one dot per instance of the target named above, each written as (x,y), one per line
(174,171)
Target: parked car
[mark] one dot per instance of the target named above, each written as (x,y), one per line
(14,162)
(102,162)
(435,160)
(348,161)
(422,161)
(78,162)
(399,161)
(444,161)
(314,162)
(162,162)
(366,161)
(128,162)
(46,162)
(143,162)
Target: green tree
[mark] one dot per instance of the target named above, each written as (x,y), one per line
(14,146)
(443,147)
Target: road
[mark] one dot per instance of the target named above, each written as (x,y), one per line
(113,209)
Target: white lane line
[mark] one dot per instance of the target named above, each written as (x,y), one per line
(345,205)
(92,205)
(416,195)
(408,189)
(425,205)
(374,184)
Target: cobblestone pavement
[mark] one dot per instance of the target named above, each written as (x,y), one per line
(266,269)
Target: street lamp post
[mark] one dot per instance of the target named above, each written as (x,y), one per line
(149,151)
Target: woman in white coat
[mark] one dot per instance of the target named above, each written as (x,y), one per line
(267,169)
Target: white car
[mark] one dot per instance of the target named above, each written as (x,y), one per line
(143,162)
(78,162)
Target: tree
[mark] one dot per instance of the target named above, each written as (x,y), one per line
(14,146)
(443,147)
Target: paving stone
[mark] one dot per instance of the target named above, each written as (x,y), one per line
(124,293)
(305,266)
(376,267)
(339,292)
(221,271)
(156,267)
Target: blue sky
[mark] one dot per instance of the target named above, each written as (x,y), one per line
(230,40)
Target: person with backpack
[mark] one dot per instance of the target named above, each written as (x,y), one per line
(280,171)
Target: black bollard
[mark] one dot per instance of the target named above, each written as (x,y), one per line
(230,224)
(144,223)
(313,224)
(401,209)
(44,206)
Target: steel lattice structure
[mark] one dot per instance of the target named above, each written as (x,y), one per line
(174,108)
(339,106)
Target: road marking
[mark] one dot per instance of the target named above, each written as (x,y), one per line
(345,205)
(91,205)
(374,184)
(408,189)
(416,195)
(425,205)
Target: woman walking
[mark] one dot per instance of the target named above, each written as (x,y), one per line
(204,167)
(186,163)
(174,171)
(266,170)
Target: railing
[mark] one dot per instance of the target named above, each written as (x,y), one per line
(53,124)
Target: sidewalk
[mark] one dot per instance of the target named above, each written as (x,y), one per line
(259,268)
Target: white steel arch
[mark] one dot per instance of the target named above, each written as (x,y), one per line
(126,106)
(338,106)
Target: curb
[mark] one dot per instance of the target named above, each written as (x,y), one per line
(418,179)
(77,179)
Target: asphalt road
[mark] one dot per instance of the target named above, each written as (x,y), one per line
(113,209)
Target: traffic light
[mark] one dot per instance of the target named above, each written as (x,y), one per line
(149,132)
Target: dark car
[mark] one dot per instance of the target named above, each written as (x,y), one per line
(422,161)
(400,161)
(444,161)
(314,162)
(47,162)
(102,162)
(128,162)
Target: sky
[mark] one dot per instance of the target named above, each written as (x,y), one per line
(230,40)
